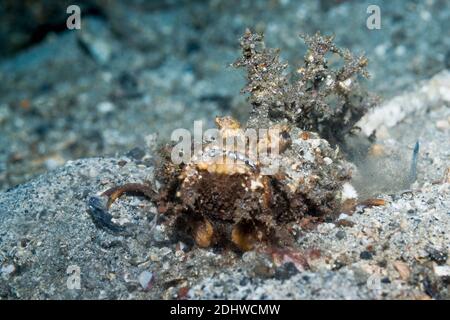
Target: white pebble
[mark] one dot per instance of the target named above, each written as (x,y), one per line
(442,271)
(8,269)
(327,161)
(145,279)
(442,125)
(105,107)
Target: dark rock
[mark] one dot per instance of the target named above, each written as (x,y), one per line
(136,153)
(286,271)
(366,255)
(438,256)
(386,280)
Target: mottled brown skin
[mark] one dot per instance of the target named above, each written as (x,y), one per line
(221,201)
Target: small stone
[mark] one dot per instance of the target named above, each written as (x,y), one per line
(122,163)
(441,271)
(442,125)
(286,271)
(111,276)
(159,233)
(385,280)
(105,107)
(366,255)
(154,258)
(8,269)
(263,271)
(327,161)
(325,228)
(181,246)
(345,223)
(346,84)
(341,234)
(145,280)
(92,173)
(440,257)
(182,293)
(402,269)
(380,50)
(54,162)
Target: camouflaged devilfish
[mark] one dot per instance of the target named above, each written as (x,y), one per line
(225,196)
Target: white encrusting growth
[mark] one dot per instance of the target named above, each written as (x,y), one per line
(348,192)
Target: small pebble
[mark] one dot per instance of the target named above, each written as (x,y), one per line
(385,280)
(440,257)
(286,271)
(365,255)
(8,269)
(53,163)
(105,107)
(442,271)
(402,269)
(327,161)
(325,227)
(145,279)
(442,125)
(159,234)
(340,234)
